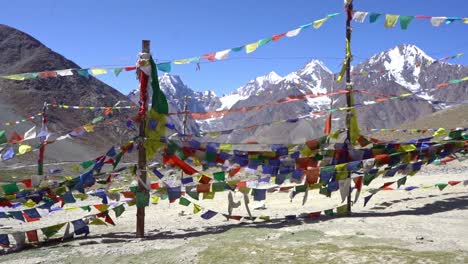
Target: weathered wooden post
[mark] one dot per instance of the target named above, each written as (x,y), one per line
(140,225)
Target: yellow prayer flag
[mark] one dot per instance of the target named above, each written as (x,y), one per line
(182,61)
(440,132)
(88,128)
(341,171)
(214,134)
(196,208)
(306,152)
(391,20)
(408,148)
(17,77)
(319,23)
(225,147)
(81,196)
(155,199)
(97,221)
(249,48)
(465,20)
(98,71)
(23,149)
(29,203)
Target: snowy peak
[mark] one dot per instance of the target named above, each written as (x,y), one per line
(259,84)
(272,78)
(402,65)
(313,66)
(399,55)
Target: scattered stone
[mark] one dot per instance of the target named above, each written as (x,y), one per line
(419,238)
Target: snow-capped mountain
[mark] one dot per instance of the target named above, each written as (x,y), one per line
(402,69)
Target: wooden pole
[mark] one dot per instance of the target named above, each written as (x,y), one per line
(140,225)
(349,86)
(184,122)
(184,127)
(40,161)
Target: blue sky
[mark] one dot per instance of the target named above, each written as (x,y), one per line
(106,33)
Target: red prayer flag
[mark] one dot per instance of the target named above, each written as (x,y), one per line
(204,179)
(32,236)
(358,183)
(27,183)
(328,124)
(210,56)
(30,219)
(108,219)
(130,68)
(278,37)
(314,214)
(15,138)
(203,188)
(387,184)
(452,183)
(234,171)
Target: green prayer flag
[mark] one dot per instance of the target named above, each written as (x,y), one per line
(119,210)
(117,71)
(264,41)
(457,134)
(210,156)
(405,21)
(219,176)
(324,191)
(237,49)
(342,210)
(441,186)
(86,208)
(159,101)
(87,164)
(184,201)
(142,199)
(368,178)
(97,119)
(401,181)
(10,188)
(164,67)
(301,188)
(218,186)
(60,190)
(328,212)
(3,138)
(455,81)
(373,17)
(194,195)
(52,230)
(117,160)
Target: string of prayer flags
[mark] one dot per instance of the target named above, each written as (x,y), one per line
(166,66)
(17,122)
(67,72)
(391,19)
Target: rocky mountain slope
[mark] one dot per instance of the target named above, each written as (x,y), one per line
(20,53)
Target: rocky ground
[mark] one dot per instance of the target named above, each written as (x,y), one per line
(424,225)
